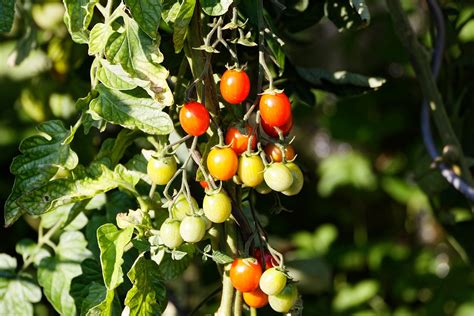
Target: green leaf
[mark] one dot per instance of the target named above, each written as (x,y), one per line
(147,13)
(77,17)
(215,7)
(7,13)
(181,23)
(347,14)
(132,111)
(55,277)
(17,295)
(140,58)
(99,35)
(170,269)
(28,248)
(351,296)
(115,77)
(94,180)
(91,273)
(100,301)
(42,156)
(112,242)
(7,262)
(72,246)
(148,294)
(340,82)
(221,258)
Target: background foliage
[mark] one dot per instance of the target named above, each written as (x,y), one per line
(375,229)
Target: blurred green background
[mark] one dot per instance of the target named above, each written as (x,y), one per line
(375,230)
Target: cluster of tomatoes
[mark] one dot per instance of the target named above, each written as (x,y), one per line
(238,157)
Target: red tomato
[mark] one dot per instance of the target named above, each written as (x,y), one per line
(256,299)
(245,274)
(204,184)
(222,163)
(240,139)
(194,118)
(275,108)
(269,261)
(274,152)
(271,131)
(235,86)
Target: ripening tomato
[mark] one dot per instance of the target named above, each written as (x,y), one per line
(169,233)
(204,184)
(270,262)
(238,139)
(182,208)
(272,281)
(192,229)
(284,301)
(222,163)
(263,188)
(278,177)
(275,108)
(194,118)
(217,207)
(273,152)
(298,180)
(245,274)
(256,298)
(161,170)
(235,86)
(251,170)
(272,132)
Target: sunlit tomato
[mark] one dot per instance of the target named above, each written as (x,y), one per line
(169,233)
(222,163)
(235,86)
(278,177)
(256,298)
(275,108)
(298,180)
(273,152)
(238,139)
(217,207)
(272,281)
(284,301)
(194,118)
(245,274)
(161,170)
(251,170)
(182,208)
(269,261)
(272,132)
(192,229)
(204,184)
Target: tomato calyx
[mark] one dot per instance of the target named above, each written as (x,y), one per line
(272,91)
(236,66)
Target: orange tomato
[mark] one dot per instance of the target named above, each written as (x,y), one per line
(222,163)
(274,152)
(256,298)
(239,138)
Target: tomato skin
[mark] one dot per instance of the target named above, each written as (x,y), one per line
(271,131)
(169,233)
(275,108)
(251,170)
(263,188)
(204,184)
(235,86)
(285,300)
(194,118)
(269,261)
(222,163)
(256,298)
(192,229)
(182,208)
(273,281)
(278,177)
(245,274)
(273,152)
(161,170)
(239,140)
(298,180)
(217,207)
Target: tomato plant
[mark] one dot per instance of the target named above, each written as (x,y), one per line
(245,274)
(192,229)
(272,131)
(235,86)
(284,301)
(255,298)
(161,170)
(250,170)
(238,139)
(275,108)
(222,163)
(194,118)
(170,233)
(274,152)
(217,207)
(278,177)
(272,281)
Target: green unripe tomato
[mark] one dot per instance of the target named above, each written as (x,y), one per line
(217,207)
(192,229)
(278,177)
(272,281)
(161,170)
(169,233)
(284,301)
(250,170)
(298,179)
(182,208)
(263,188)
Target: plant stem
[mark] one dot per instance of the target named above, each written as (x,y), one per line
(225,307)
(238,303)
(426,80)
(253,311)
